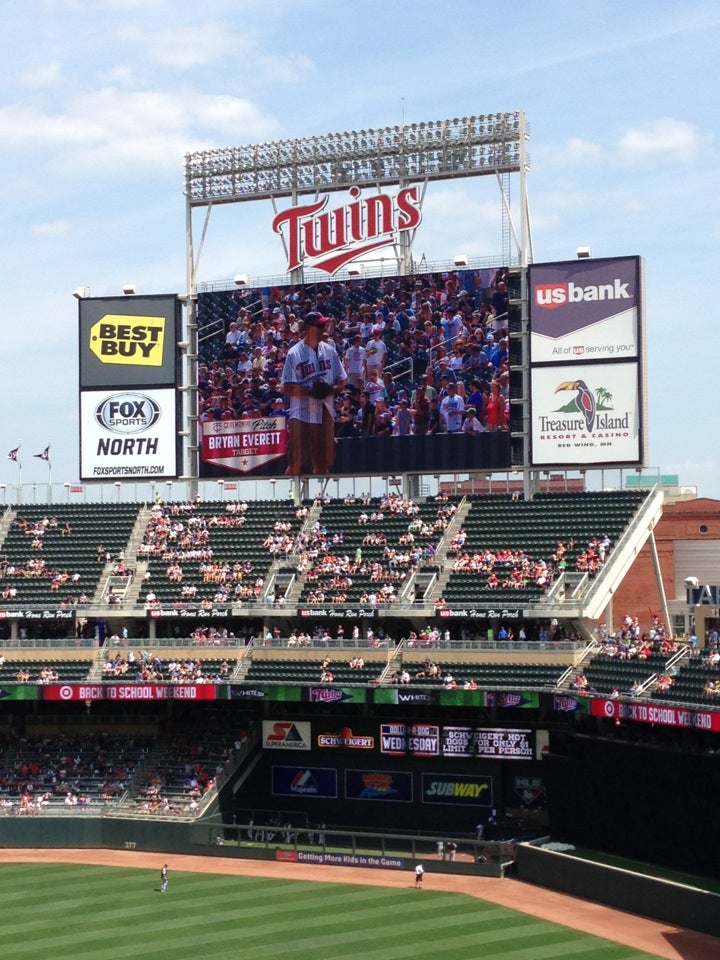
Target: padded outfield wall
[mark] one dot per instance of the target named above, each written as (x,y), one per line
(636,893)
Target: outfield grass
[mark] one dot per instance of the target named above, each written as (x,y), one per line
(71,912)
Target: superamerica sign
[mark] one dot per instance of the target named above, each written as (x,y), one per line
(330,239)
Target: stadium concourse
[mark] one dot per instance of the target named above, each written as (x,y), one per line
(372,664)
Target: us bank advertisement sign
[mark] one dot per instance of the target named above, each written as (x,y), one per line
(128,434)
(585,310)
(587,414)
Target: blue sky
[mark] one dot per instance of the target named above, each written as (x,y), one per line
(101,99)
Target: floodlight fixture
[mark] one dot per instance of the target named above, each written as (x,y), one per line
(130,289)
(583,253)
(461,260)
(242,279)
(81,293)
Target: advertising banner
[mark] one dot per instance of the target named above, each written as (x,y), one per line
(37,614)
(398,695)
(286,735)
(457,789)
(584,416)
(458,741)
(663,716)
(306,782)
(423,740)
(128,691)
(129,342)
(584,310)
(503,698)
(20,692)
(128,434)
(530,791)
(341,859)
(243,445)
(565,704)
(379,785)
(344,739)
(504,744)
(475,613)
(336,694)
(393,739)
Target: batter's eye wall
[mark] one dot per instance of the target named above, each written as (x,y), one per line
(642,802)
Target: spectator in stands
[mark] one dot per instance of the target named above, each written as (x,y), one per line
(452,408)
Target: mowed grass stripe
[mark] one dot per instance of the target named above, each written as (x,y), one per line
(72,912)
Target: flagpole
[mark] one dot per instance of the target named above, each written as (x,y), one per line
(18,461)
(45,455)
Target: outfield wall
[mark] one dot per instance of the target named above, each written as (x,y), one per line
(647,896)
(211,838)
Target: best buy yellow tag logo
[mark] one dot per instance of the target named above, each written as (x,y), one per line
(131,340)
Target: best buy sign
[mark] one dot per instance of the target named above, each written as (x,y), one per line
(137,341)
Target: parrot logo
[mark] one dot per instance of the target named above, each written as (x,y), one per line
(585,402)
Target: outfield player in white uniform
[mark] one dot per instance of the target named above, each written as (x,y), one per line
(312,375)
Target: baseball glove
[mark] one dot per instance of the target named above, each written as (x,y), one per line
(319,390)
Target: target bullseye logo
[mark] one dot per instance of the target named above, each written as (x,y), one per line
(66,693)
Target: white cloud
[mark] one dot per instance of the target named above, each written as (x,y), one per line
(186,47)
(664,138)
(110,128)
(56,228)
(212,42)
(45,75)
(578,149)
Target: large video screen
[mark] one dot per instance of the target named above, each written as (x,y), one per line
(416,368)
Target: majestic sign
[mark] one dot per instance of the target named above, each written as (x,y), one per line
(330,239)
(306,782)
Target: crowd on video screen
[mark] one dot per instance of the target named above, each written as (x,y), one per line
(421,354)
